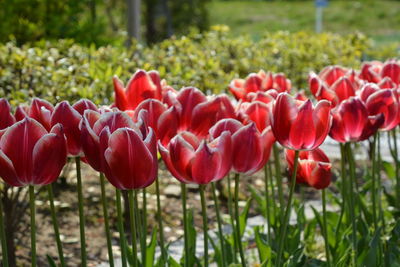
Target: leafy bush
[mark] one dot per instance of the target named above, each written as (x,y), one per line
(64,70)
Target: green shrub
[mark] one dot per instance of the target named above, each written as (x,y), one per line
(64,70)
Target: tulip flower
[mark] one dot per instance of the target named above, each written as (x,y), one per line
(30,155)
(40,110)
(260,81)
(391,69)
(154,109)
(298,125)
(6,118)
(385,102)
(314,168)
(141,86)
(256,112)
(370,71)
(351,122)
(331,74)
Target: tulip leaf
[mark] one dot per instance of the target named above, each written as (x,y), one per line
(217,252)
(264,250)
(389,169)
(261,205)
(191,238)
(51,262)
(151,249)
(172,262)
(243,217)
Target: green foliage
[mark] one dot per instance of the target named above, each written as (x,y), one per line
(209,61)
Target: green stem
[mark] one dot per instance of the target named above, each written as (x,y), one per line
(144,229)
(238,236)
(122,239)
(33,224)
(273,192)
(373,176)
(106,221)
(378,172)
(344,195)
(132,212)
(397,168)
(278,175)
(287,211)
(325,230)
(139,224)
(267,202)
(352,201)
(219,222)
(4,250)
(185,224)
(232,219)
(55,224)
(81,214)
(205,224)
(160,224)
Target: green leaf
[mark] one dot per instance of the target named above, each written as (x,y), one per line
(389,169)
(191,238)
(243,217)
(151,249)
(264,250)
(51,262)
(172,262)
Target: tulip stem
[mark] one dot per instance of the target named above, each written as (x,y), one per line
(238,236)
(160,224)
(106,221)
(120,221)
(373,176)
(33,224)
(219,222)
(81,214)
(231,215)
(352,200)
(185,226)
(132,212)
(272,186)
(325,230)
(286,217)
(139,223)
(396,161)
(55,225)
(343,192)
(205,224)
(267,204)
(4,249)
(278,175)
(144,227)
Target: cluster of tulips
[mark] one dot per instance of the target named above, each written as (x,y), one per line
(201,139)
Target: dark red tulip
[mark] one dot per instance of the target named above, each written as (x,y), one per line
(370,71)
(30,155)
(193,161)
(351,122)
(40,110)
(84,104)
(141,86)
(6,118)
(154,109)
(384,102)
(314,168)
(298,125)
(387,83)
(331,74)
(250,149)
(321,91)
(65,114)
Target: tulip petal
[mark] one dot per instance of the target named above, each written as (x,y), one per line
(189,98)
(6,119)
(113,120)
(303,132)
(121,101)
(7,171)
(84,104)
(283,115)
(49,156)
(166,156)
(322,121)
(139,88)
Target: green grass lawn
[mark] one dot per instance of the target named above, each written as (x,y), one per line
(378,19)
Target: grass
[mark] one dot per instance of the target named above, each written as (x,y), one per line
(378,19)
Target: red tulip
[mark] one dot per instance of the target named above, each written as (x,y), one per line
(114,145)
(30,155)
(314,168)
(40,110)
(260,81)
(6,118)
(298,125)
(193,161)
(250,149)
(141,86)
(351,122)
(370,71)
(150,111)
(384,102)
(391,69)
(256,112)
(331,74)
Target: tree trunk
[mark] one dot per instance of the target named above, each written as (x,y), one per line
(168,17)
(133,20)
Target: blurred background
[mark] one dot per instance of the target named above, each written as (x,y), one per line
(103,22)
